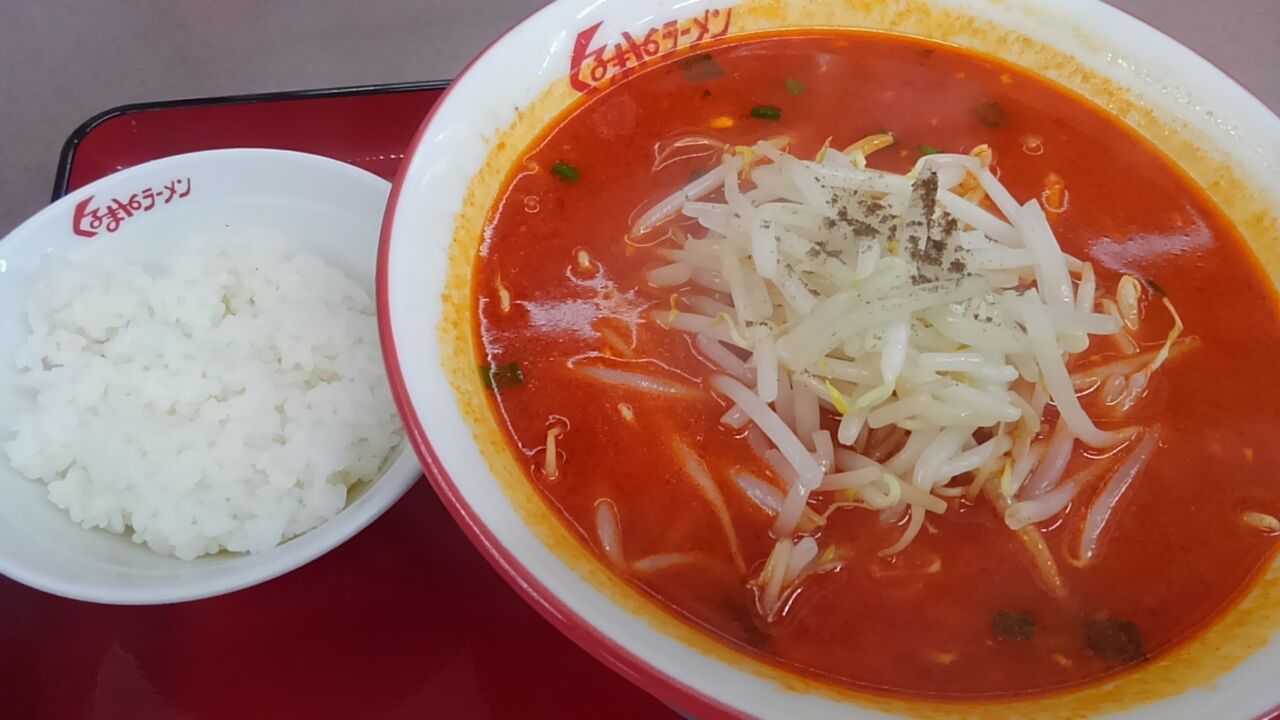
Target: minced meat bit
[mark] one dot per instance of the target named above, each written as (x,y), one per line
(1012,625)
(1114,640)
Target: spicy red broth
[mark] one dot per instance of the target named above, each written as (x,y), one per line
(958,613)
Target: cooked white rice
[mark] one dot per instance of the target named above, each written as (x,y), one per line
(226,400)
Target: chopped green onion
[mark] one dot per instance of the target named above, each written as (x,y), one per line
(766,112)
(929,150)
(795,87)
(565,172)
(501,377)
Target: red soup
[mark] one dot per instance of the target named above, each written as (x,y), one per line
(888,363)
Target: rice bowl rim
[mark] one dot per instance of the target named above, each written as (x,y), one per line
(208,576)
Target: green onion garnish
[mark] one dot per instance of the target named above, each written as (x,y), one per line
(929,150)
(766,112)
(501,377)
(565,172)
(795,87)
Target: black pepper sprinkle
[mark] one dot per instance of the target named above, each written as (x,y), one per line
(863,229)
(950,226)
(928,190)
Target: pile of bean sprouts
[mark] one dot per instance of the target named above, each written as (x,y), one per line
(936,331)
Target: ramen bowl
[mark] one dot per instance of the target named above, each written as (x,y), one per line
(572,50)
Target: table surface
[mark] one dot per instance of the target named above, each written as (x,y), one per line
(62,61)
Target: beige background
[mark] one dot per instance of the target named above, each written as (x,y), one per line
(64,60)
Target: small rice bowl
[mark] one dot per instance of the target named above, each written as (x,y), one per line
(226,399)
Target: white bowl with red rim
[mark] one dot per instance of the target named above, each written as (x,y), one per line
(139,215)
(538,69)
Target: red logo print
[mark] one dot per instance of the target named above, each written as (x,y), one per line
(89,220)
(590,68)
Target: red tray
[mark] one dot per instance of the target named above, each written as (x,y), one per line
(405,620)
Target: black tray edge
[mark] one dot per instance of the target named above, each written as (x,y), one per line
(67,156)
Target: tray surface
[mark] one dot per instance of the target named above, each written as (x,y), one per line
(405,620)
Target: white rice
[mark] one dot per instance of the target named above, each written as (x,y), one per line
(224,401)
